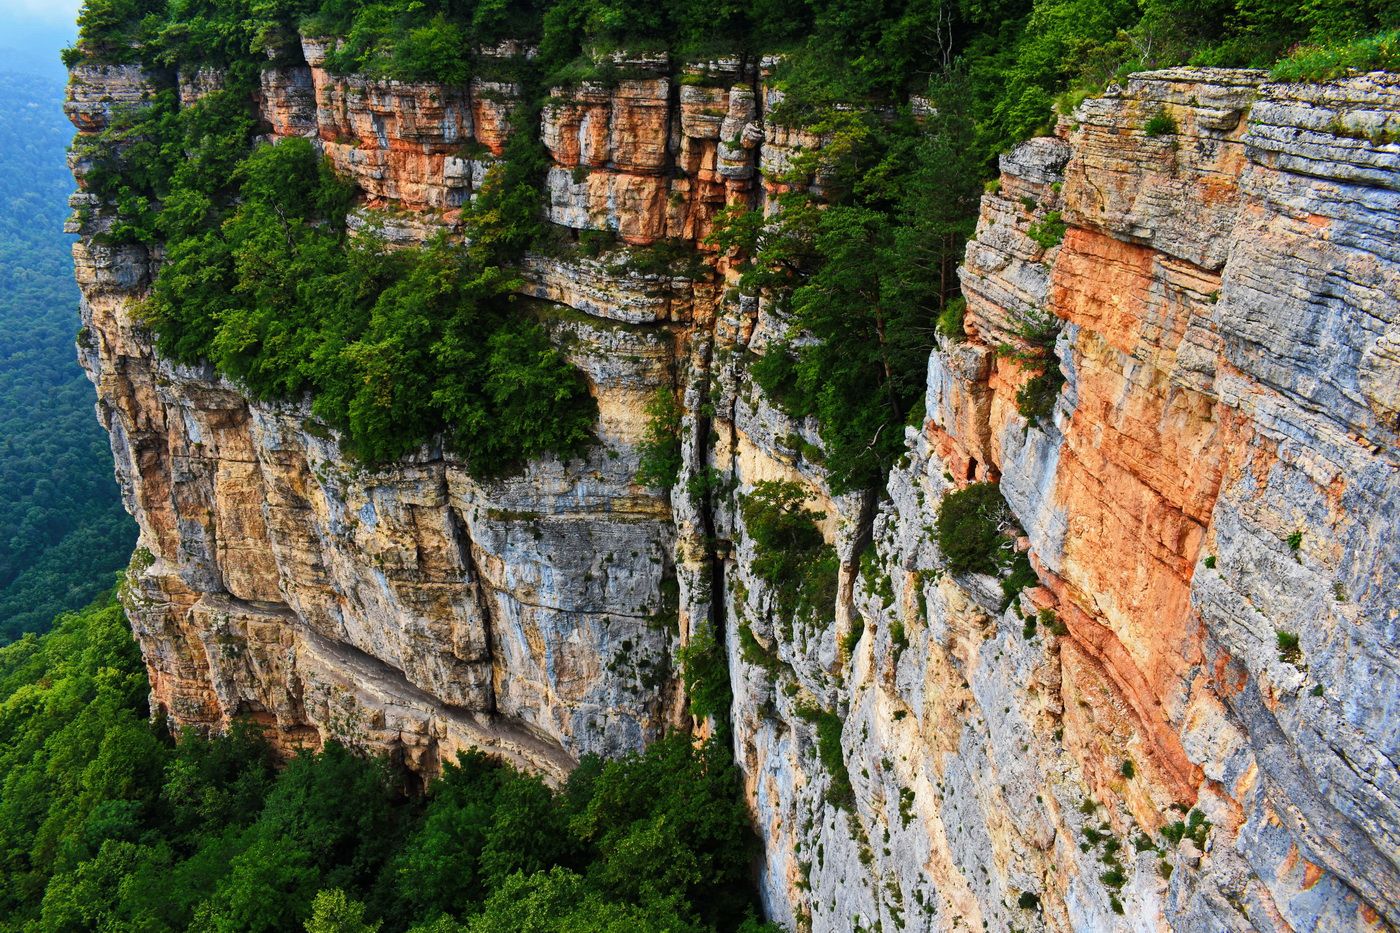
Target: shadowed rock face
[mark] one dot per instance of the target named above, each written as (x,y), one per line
(1231,347)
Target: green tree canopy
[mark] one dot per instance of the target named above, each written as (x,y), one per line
(106,823)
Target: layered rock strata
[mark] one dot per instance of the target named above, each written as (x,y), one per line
(1218,475)
(1135,743)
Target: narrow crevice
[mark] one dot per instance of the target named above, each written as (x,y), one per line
(758,196)
(865,523)
(461,537)
(704,426)
(705,513)
(675,131)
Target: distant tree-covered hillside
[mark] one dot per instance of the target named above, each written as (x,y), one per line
(62,528)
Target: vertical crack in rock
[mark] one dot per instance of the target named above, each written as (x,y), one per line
(704,426)
(481,599)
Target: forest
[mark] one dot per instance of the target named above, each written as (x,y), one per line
(399,350)
(63,532)
(108,823)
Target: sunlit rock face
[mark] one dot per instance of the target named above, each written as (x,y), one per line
(1220,466)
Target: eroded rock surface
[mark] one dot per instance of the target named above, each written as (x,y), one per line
(1220,466)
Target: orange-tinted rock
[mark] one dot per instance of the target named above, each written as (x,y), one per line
(394,138)
(575,125)
(1203,438)
(492,103)
(638,127)
(289,101)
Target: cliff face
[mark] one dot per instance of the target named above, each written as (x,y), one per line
(1221,466)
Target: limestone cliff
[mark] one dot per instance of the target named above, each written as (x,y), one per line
(1128,745)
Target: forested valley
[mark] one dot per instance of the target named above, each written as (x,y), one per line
(62,528)
(110,823)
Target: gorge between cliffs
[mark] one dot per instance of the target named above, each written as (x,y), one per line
(1168,699)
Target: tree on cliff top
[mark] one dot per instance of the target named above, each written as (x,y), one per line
(400,347)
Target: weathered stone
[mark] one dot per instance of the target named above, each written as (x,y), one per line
(1220,466)
(1176,191)
(96,92)
(289,101)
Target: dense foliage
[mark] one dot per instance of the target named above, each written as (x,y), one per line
(828,727)
(790,554)
(976,531)
(1023,52)
(971,529)
(660,462)
(705,674)
(108,824)
(62,528)
(262,279)
(867,275)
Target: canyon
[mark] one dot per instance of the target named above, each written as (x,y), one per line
(1189,722)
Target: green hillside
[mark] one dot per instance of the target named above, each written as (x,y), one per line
(62,528)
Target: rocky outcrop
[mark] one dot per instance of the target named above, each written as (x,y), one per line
(1219,474)
(1134,743)
(415,610)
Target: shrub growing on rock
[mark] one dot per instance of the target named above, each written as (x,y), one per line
(705,672)
(1049,231)
(791,555)
(829,727)
(661,444)
(1035,353)
(1160,123)
(970,529)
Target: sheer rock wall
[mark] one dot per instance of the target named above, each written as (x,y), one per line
(1221,466)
